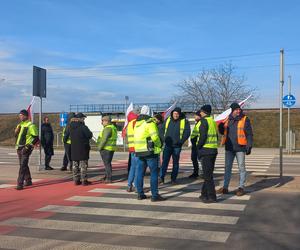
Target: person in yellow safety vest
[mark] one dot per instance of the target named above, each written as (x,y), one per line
(147,147)
(107,144)
(207,146)
(194,138)
(67,146)
(26,134)
(238,140)
(176,129)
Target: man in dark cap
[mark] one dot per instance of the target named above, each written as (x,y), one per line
(47,138)
(194,140)
(176,130)
(238,140)
(207,152)
(26,134)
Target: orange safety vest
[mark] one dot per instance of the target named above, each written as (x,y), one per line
(241,137)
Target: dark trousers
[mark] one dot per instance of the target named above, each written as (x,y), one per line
(24,172)
(194,158)
(208,165)
(48,150)
(67,157)
(107,157)
(167,153)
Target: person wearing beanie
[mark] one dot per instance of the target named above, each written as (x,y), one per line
(67,145)
(175,131)
(194,139)
(79,135)
(107,145)
(47,138)
(26,134)
(238,140)
(207,147)
(147,146)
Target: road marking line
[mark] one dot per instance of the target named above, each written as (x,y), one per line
(158,215)
(6,185)
(132,230)
(184,204)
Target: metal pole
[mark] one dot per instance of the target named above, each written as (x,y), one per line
(281,106)
(289,137)
(40,132)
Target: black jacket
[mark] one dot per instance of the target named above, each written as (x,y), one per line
(80,136)
(231,141)
(47,135)
(203,130)
(172,136)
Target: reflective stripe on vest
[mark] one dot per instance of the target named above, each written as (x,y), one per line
(130,133)
(111,144)
(212,133)
(241,136)
(182,126)
(27,131)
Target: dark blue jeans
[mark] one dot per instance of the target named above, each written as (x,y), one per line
(168,152)
(142,164)
(132,176)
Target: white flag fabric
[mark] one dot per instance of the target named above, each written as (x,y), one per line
(129,109)
(30,109)
(227,112)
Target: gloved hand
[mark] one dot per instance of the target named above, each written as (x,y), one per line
(248,150)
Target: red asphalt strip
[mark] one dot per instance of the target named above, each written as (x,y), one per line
(24,203)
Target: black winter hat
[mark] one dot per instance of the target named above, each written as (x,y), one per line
(24,112)
(80,115)
(177,109)
(206,109)
(234,106)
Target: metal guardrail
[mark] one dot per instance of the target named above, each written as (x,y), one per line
(120,108)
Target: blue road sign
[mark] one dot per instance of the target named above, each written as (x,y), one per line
(289,101)
(63,119)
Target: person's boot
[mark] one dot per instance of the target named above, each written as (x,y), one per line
(77,182)
(158,198)
(19,187)
(48,168)
(162,181)
(141,197)
(222,190)
(28,183)
(194,175)
(240,192)
(63,168)
(130,189)
(86,183)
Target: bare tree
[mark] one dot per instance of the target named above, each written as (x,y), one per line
(219,87)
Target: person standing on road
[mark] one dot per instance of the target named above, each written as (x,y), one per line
(47,138)
(238,140)
(80,136)
(194,140)
(67,146)
(107,144)
(176,129)
(147,147)
(26,134)
(207,152)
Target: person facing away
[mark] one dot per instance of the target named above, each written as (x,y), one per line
(80,136)
(26,134)
(67,146)
(194,139)
(238,139)
(207,147)
(47,138)
(147,147)
(176,130)
(107,144)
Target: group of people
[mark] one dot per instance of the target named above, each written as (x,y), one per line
(146,136)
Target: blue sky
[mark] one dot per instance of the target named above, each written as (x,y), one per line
(100,51)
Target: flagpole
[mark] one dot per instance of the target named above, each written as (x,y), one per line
(40,133)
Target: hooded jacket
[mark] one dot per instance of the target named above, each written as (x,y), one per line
(80,136)
(172,135)
(131,116)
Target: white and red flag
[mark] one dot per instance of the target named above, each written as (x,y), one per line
(168,111)
(227,112)
(129,109)
(30,109)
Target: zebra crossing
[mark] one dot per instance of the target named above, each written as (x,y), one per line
(108,217)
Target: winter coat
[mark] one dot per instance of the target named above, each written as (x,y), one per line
(231,142)
(172,135)
(80,136)
(47,138)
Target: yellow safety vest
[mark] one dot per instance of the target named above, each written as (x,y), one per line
(182,126)
(212,133)
(111,143)
(195,132)
(130,133)
(146,138)
(27,133)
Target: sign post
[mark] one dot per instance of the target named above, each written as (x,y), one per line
(39,89)
(289,101)
(280,109)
